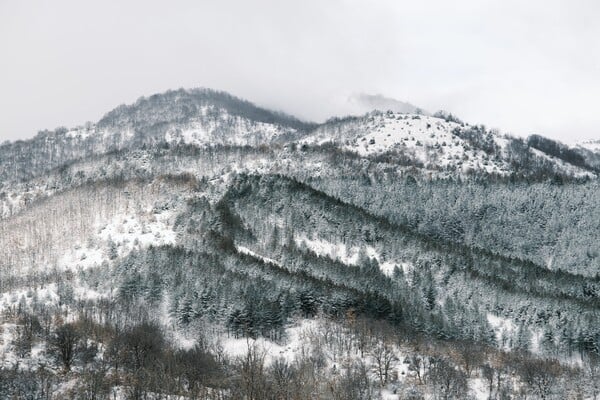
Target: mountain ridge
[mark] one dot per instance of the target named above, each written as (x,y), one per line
(205,117)
(210,233)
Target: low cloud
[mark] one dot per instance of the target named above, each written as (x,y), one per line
(522,67)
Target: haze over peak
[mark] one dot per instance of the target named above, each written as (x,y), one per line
(361,103)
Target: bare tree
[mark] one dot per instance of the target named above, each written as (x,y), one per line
(383,356)
(471,355)
(448,381)
(540,375)
(352,384)
(488,372)
(251,370)
(282,374)
(63,344)
(592,367)
(419,365)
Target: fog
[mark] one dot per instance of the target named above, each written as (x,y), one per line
(521,67)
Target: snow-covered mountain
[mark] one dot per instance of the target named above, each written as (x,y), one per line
(432,142)
(199,117)
(591,145)
(441,143)
(194,246)
(205,118)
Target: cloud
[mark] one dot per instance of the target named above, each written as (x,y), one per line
(362,103)
(522,67)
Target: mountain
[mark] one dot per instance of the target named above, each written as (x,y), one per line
(204,117)
(194,245)
(199,117)
(591,145)
(590,150)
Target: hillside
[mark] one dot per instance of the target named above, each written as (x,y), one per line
(590,150)
(195,246)
(200,117)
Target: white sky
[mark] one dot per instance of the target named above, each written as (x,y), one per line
(521,66)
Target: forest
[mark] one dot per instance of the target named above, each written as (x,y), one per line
(282,260)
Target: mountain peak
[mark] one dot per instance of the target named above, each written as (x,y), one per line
(182,105)
(206,118)
(592,145)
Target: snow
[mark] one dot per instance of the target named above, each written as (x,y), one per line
(8,326)
(202,131)
(335,251)
(503,328)
(408,132)
(591,145)
(82,258)
(304,334)
(19,195)
(127,232)
(7,334)
(296,338)
(249,252)
(122,393)
(479,388)
(348,255)
(91,131)
(428,139)
(563,166)
(80,133)
(387,394)
(150,229)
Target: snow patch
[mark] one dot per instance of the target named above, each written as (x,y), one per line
(503,328)
(349,255)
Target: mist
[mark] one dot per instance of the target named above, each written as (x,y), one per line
(520,67)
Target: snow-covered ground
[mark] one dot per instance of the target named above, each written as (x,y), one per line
(302,337)
(297,336)
(563,166)
(349,255)
(430,140)
(245,250)
(427,139)
(203,131)
(117,238)
(504,328)
(591,145)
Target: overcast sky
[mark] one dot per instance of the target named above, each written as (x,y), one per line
(521,66)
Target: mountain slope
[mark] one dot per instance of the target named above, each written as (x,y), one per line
(202,117)
(442,143)
(590,150)
(194,246)
(199,117)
